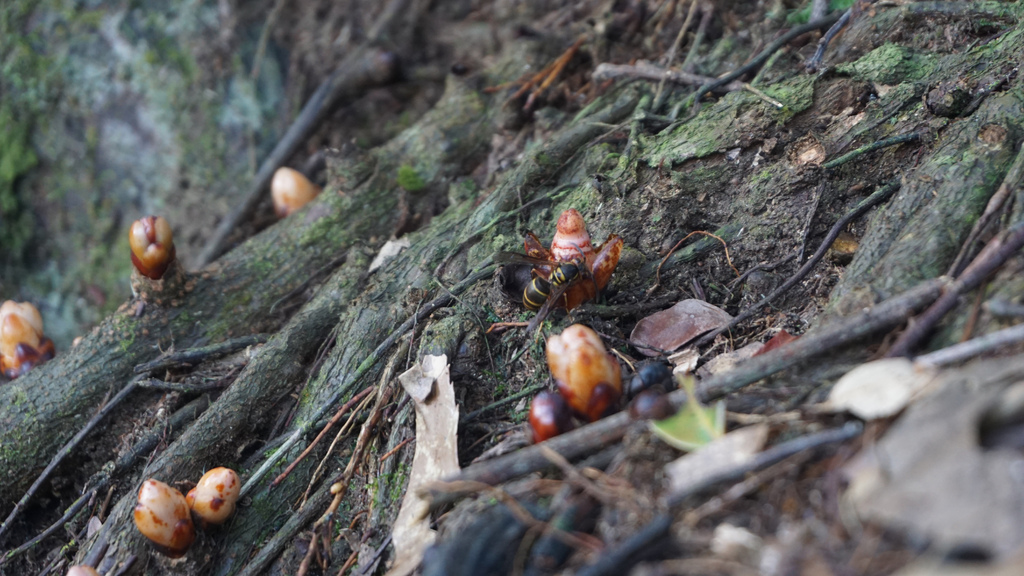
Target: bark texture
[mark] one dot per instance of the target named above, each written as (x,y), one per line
(741,166)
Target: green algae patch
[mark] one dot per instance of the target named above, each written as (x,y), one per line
(890,64)
(738,119)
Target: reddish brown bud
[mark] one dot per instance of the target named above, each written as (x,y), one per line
(549,416)
(152,244)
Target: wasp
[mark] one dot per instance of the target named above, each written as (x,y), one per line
(538,291)
(541,293)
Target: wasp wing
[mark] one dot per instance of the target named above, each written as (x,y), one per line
(504,257)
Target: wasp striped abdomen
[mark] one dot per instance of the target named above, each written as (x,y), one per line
(539,289)
(536,293)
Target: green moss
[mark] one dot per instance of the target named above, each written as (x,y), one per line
(396,482)
(126,341)
(796,95)
(262,267)
(409,179)
(890,64)
(19,397)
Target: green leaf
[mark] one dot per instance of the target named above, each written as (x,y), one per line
(695,425)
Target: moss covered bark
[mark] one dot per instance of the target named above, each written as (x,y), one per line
(736,167)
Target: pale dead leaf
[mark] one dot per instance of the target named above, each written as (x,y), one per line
(436,457)
(879,389)
(685,361)
(725,362)
(389,250)
(737,544)
(417,383)
(929,475)
(720,455)
(671,328)
(93,526)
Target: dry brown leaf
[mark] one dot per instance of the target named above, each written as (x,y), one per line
(780,339)
(671,328)
(437,420)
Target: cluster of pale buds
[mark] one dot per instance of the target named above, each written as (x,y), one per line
(165,516)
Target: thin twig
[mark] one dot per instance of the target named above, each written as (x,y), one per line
(334,420)
(758,60)
(756,92)
(340,486)
(576,478)
(1010,182)
(971,348)
(586,439)
(621,558)
(308,558)
(194,356)
(68,515)
(522,394)
(376,556)
(670,59)
(621,310)
(184,387)
(261,44)
(757,267)
(771,456)
(814,62)
(725,245)
(643,70)
(486,270)
(296,521)
(810,219)
(747,486)
(690,62)
(66,450)
(343,433)
(382,388)
(884,143)
(992,256)
(395,450)
(877,197)
(558,65)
